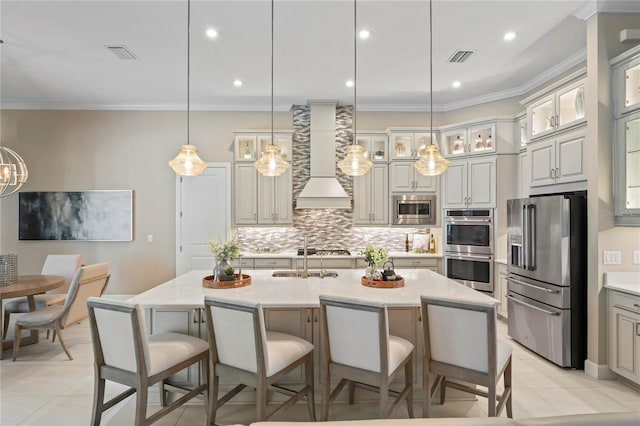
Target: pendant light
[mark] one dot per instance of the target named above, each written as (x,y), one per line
(355,163)
(431,162)
(187,162)
(13,172)
(270,162)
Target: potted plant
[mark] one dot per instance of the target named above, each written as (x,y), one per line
(224,253)
(375,257)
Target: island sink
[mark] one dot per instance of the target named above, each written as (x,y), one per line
(301,274)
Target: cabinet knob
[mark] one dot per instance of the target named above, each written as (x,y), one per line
(557,173)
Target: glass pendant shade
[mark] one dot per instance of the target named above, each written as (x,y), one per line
(271,163)
(431,162)
(188,163)
(355,163)
(13,172)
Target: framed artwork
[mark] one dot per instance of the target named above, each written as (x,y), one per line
(81,216)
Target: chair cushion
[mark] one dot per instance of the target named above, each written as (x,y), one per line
(504,354)
(21,305)
(45,316)
(284,349)
(168,349)
(399,349)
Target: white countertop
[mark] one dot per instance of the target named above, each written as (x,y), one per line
(186,291)
(354,255)
(628,282)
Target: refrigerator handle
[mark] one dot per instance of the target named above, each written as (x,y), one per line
(531,263)
(525,237)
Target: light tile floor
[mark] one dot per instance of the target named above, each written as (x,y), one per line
(44,388)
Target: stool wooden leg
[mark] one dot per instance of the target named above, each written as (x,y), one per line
(384,398)
(352,392)
(141,404)
(98,401)
(16,341)
(62,341)
(408,378)
(311,404)
(507,385)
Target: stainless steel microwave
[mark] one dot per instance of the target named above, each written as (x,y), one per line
(414,209)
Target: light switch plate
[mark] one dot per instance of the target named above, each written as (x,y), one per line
(612,257)
(636,257)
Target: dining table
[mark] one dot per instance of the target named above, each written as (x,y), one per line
(29,286)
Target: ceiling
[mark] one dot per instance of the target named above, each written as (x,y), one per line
(54,53)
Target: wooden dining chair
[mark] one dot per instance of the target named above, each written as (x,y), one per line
(124,354)
(357,348)
(88,281)
(460,343)
(242,349)
(64,265)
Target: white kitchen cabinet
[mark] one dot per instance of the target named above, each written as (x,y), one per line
(375,145)
(262,200)
(405,178)
(405,145)
(557,160)
(500,289)
(296,322)
(524,174)
(522,134)
(557,110)
(406,323)
(371,197)
(626,82)
(246,194)
(248,145)
(623,314)
(245,147)
(274,199)
(272,263)
(324,262)
(410,262)
(472,140)
(470,183)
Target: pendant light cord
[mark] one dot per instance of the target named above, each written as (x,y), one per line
(355,68)
(272,31)
(430,73)
(188,70)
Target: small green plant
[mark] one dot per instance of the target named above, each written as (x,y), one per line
(227,250)
(228,270)
(375,256)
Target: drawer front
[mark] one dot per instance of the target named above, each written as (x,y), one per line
(415,263)
(244,262)
(314,263)
(272,263)
(624,301)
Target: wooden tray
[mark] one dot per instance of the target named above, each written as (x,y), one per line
(382,284)
(238,282)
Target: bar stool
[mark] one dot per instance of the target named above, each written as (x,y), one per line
(244,350)
(357,347)
(460,342)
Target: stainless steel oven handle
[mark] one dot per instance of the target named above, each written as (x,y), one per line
(513,299)
(537,287)
(468,256)
(466,221)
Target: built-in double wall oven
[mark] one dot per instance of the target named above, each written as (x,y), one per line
(469,247)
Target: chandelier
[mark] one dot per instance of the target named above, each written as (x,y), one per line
(13,172)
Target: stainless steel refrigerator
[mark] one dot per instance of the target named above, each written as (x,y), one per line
(547,272)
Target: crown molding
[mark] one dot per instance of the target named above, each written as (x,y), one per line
(593,7)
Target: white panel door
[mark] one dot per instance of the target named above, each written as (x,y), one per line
(361,199)
(524,174)
(455,185)
(481,188)
(543,163)
(203,211)
(402,177)
(283,207)
(266,199)
(379,194)
(570,160)
(425,183)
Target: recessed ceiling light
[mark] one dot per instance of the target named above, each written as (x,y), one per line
(510,35)
(364,34)
(456,84)
(212,33)
(349,83)
(237,82)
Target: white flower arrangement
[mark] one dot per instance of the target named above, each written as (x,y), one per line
(227,250)
(375,256)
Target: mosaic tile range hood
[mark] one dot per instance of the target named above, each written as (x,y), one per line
(323,191)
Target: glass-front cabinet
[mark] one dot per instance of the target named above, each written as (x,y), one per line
(626,82)
(460,142)
(557,111)
(375,145)
(522,135)
(245,149)
(248,147)
(405,146)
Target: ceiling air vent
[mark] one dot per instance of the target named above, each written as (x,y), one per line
(460,55)
(122,52)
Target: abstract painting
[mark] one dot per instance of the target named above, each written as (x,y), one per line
(83,215)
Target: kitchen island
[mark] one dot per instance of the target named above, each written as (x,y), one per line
(291,305)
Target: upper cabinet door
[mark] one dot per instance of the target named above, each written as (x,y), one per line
(245,148)
(481,190)
(454,142)
(246,194)
(626,82)
(401,146)
(570,105)
(541,116)
(455,185)
(482,139)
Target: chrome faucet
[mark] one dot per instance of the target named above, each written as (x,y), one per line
(305,271)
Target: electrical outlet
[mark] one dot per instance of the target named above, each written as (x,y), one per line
(149,238)
(612,257)
(636,257)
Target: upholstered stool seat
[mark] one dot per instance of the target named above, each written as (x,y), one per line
(243,349)
(358,348)
(168,349)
